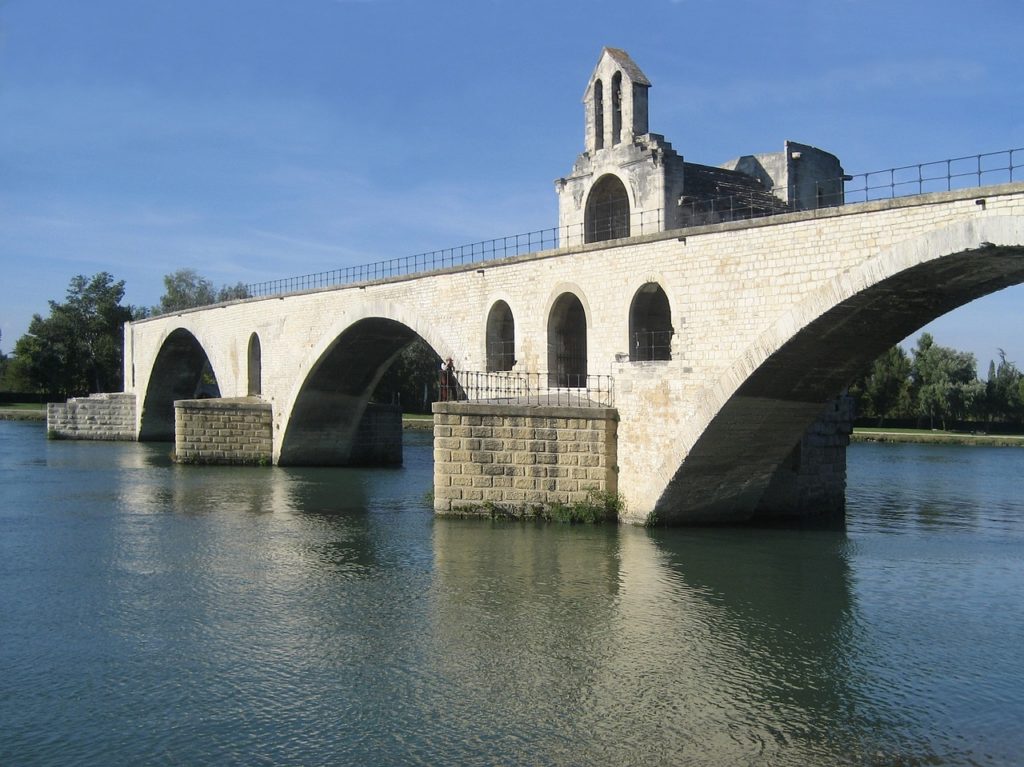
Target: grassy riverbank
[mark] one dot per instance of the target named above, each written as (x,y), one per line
(935,437)
(23,411)
(417,421)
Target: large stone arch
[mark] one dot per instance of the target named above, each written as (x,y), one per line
(338,377)
(178,372)
(747,425)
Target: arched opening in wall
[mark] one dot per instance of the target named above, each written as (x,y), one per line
(255,366)
(567,343)
(598,115)
(181,371)
(349,409)
(650,325)
(501,338)
(607,214)
(617,108)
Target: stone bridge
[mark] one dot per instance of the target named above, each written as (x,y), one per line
(764,323)
(726,342)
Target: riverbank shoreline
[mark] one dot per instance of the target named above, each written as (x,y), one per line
(426,423)
(936,437)
(21,414)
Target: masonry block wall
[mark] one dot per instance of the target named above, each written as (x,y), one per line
(223,431)
(519,457)
(812,482)
(99,416)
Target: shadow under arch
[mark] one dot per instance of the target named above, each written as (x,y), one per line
(181,370)
(730,465)
(332,402)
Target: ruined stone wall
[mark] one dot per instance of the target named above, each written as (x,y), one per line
(99,416)
(518,457)
(223,431)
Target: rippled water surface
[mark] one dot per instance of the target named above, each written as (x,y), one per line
(158,614)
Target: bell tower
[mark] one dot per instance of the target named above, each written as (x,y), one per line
(615,101)
(624,180)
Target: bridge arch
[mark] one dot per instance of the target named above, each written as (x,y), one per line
(749,422)
(181,370)
(608,210)
(650,324)
(338,377)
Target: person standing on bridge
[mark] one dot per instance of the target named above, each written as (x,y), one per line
(447,381)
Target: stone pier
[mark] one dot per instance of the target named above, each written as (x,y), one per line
(236,430)
(520,458)
(109,416)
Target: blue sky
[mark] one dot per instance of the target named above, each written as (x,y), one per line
(257,139)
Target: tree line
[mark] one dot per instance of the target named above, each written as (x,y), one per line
(936,386)
(78,348)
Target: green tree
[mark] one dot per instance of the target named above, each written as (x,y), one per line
(886,388)
(78,348)
(233,292)
(412,379)
(945,381)
(187,289)
(5,366)
(1003,391)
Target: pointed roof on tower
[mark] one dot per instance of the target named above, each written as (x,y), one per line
(627,64)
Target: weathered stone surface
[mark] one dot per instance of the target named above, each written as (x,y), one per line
(99,417)
(508,469)
(223,431)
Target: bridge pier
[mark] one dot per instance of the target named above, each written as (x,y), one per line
(810,485)
(236,430)
(239,431)
(520,458)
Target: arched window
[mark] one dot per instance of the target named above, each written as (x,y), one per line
(650,325)
(567,343)
(255,367)
(607,214)
(501,338)
(598,115)
(617,108)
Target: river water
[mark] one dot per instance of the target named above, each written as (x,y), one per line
(160,614)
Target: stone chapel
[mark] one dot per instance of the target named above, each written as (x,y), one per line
(629,181)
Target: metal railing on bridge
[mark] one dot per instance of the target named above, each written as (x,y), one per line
(512,388)
(640,222)
(907,180)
